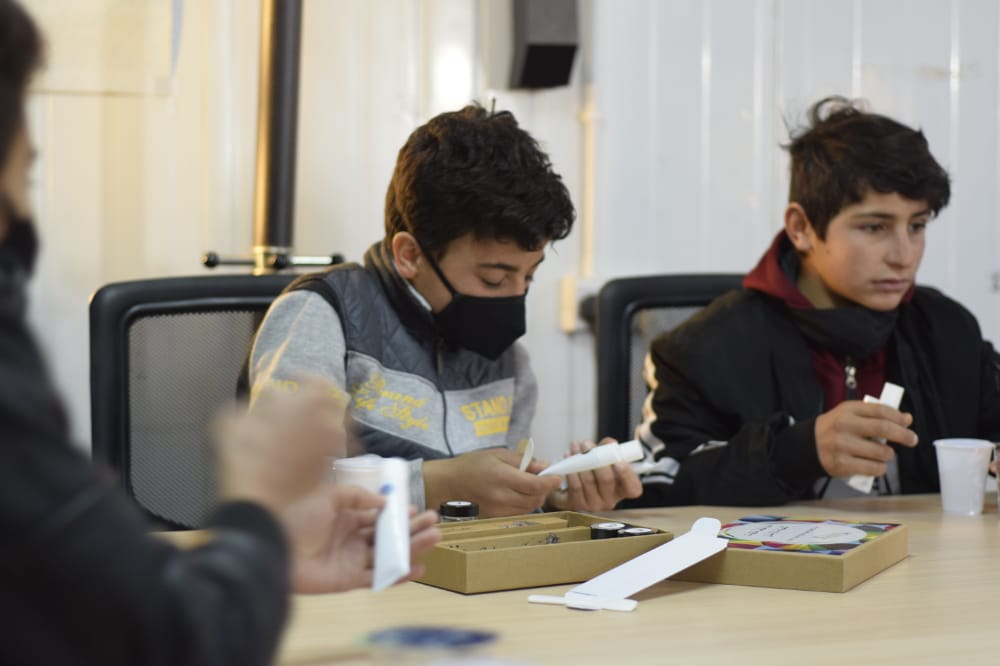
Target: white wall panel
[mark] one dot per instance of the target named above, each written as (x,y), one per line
(731,160)
(622,118)
(970,222)
(684,164)
(815,50)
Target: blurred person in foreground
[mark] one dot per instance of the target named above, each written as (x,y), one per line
(82,580)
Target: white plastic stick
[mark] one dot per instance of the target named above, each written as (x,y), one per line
(599,456)
(529,452)
(892,396)
(623,605)
(609,590)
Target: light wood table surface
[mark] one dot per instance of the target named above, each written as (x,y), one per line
(941,605)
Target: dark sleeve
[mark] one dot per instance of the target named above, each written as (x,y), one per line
(949,334)
(989,396)
(83,577)
(717,433)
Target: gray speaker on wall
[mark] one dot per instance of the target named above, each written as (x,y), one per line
(545,41)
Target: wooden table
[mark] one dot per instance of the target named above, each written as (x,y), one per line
(939,605)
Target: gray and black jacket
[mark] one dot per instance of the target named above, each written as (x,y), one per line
(410,394)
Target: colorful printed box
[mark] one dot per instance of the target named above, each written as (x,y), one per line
(801,553)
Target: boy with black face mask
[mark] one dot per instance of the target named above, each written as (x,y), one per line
(758,400)
(421,338)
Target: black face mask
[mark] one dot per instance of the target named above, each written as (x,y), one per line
(487,326)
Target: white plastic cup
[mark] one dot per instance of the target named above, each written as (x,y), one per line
(996,480)
(962,466)
(364,471)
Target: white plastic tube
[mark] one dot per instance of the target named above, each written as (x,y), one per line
(599,456)
(392,529)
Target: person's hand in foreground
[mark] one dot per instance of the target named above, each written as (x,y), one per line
(332,536)
(278,453)
(278,456)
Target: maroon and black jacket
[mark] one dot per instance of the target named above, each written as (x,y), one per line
(739,388)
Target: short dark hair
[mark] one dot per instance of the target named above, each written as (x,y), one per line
(20,56)
(846,151)
(472,171)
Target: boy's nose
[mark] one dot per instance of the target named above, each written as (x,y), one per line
(904,249)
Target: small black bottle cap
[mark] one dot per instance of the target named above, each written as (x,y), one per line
(606,530)
(459,509)
(636,531)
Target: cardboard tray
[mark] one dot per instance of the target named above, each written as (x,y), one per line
(531,550)
(761,560)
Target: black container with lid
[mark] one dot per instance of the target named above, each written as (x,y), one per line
(636,531)
(606,530)
(457,510)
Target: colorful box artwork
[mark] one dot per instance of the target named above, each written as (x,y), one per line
(801,535)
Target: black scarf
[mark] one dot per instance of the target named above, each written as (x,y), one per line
(850,330)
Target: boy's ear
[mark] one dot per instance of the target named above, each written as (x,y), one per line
(798,227)
(406,253)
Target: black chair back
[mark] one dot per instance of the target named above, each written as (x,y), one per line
(164,358)
(630,313)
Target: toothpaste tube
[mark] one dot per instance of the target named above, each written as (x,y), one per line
(599,456)
(392,529)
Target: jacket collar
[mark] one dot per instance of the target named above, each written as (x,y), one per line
(412,311)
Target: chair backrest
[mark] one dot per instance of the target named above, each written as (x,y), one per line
(630,313)
(164,357)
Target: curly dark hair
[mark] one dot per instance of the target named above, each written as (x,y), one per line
(846,151)
(20,56)
(472,171)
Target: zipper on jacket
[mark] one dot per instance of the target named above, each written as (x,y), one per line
(439,362)
(851,382)
(850,378)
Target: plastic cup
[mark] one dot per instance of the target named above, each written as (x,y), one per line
(996,479)
(364,471)
(962,466)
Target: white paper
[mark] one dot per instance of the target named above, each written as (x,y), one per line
(608,590)
(892,395)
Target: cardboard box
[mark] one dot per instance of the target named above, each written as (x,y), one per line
(531,550)
(801,553)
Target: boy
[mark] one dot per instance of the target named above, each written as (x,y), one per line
(758,399)
(421,339)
